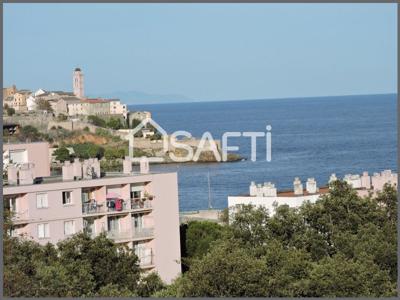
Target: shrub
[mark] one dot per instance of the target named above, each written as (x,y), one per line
(88,150)
(10,111)
(95,120)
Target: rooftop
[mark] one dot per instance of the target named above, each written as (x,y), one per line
(44,181)
(96,100)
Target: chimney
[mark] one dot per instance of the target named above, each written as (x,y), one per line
(67,171)
(297,186)
(366,181)
(259,190)
(332,178)
(12,174)
(127,165)
(253,189)
(269,190)
(77,168)
(144,165)
(26,174)
(311,186)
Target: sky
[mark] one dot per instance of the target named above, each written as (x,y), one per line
(203,52)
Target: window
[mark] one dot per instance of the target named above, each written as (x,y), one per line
(138,222)
(66,197)
(69,227)
(43,231)
(18,156)
(41,200)
(113,224)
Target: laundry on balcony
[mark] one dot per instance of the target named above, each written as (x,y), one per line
(115,204)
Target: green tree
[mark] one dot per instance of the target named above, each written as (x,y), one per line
(338,276)
(200,235)
(227,270)
(31,133)
(62,154)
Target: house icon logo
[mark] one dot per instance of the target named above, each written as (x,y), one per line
(131,138)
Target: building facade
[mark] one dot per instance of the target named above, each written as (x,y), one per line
(96,107)
(23,153)
(267,195)
(9,91)
(19,100)
(138,209)
(118,108)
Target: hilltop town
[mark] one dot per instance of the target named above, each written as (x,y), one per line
(69,119)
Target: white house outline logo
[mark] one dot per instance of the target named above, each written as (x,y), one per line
(131,138)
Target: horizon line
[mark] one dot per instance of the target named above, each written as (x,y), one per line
(265,99)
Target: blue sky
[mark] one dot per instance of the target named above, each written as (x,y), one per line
(204,51)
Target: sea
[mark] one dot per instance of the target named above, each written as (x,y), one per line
(310,137)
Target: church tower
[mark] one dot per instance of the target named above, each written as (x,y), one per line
(78,83)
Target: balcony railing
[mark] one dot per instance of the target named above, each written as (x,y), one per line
(146,260)
(20,216)
(91,208)
(143,232)
(126,235)
(119,235)
(137,203)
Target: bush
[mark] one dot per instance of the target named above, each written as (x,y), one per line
(10,111)
(97,121)
(114,123)
(103,132)
(88,150)
(115,153)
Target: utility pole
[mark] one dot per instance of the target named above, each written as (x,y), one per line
(209,191)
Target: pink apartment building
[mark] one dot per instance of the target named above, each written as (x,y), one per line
(137,209)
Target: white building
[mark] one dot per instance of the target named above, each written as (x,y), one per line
(266,194)
(118,108)
(31,100)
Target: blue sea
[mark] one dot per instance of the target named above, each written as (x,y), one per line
(311,137)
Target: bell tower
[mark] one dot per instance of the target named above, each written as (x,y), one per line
(77,83)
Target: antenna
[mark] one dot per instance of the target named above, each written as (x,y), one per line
(209,191)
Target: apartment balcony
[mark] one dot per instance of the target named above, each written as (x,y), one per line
(146,261)
(134,234)
(93,207)
(143,233)
(141,203)
(20,217)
